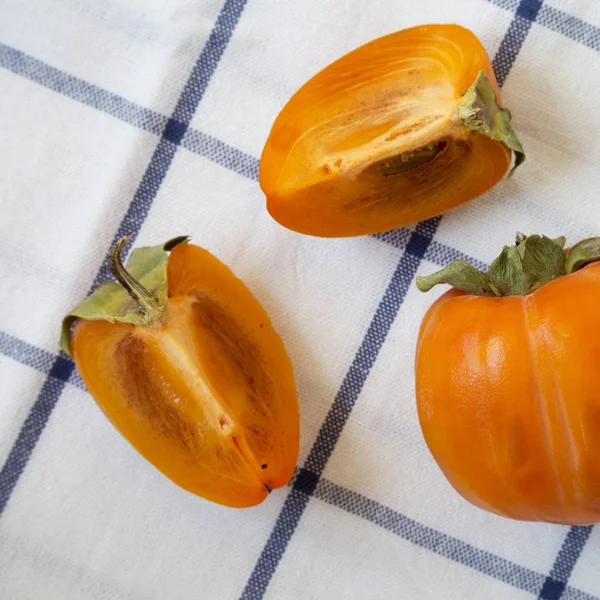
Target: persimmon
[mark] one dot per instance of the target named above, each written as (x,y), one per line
(185,363)
(401,129)
(507,378)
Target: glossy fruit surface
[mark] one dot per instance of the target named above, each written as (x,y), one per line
(507,396)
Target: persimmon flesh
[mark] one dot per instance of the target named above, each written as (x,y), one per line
(207,393)
(403,128)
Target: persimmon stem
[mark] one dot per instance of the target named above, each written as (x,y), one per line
(135,289)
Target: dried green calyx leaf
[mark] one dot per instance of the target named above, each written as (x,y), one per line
(519,270)
(582,254)
(479,111)
(139,298)
(461,275)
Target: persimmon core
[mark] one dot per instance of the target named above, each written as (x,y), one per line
(406,161)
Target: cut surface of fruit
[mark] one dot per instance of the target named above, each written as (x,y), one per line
(379,139)
(207,395)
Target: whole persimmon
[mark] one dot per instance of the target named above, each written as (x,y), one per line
(507,379)
(401,129)
(185,363)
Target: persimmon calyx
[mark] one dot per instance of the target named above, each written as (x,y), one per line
(519,270)
(478,110)
(140,296)
(582,254)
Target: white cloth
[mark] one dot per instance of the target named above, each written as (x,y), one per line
(86,92)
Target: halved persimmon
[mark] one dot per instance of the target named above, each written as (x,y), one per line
(191,372)
(403,128)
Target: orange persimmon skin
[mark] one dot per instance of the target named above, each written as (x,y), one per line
(208,398)
(320,165)
(507,395)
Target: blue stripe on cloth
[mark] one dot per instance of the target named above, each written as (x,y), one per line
(25,353)
(429,538)
(416,248)
(36,358)
(173,132)
(142,200)
(344,401)
(437,253)
(369,349)
(219,152)
(395,237)
(435,541)
(575,29)
(529,9)
(32,428)
(209,59)
(510,47)
(118,107)
(292,510)
(76,380)
(570,551)
(177,126)
(77,89)
(564,564)
(572,593)
(510,5)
